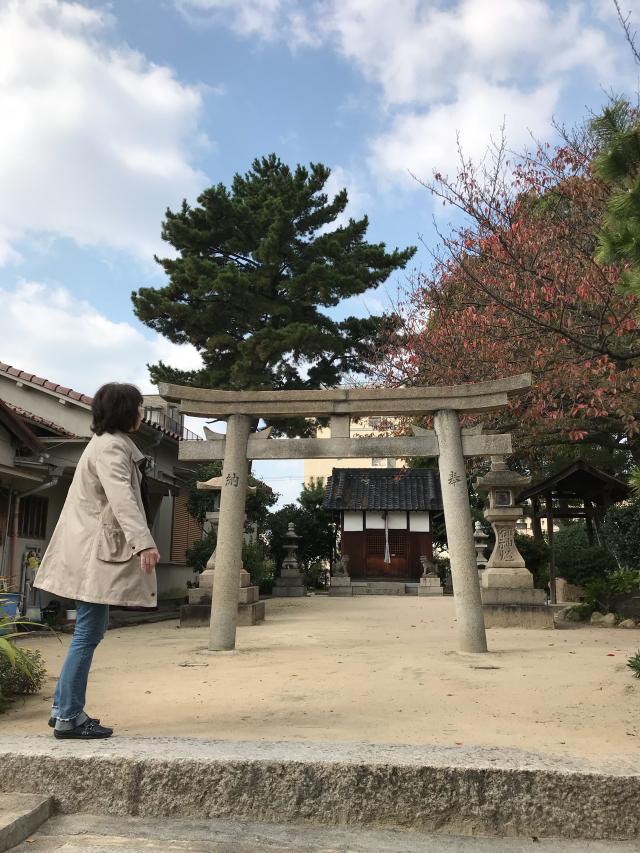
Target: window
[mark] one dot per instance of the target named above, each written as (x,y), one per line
(503,498)
(374,423)
(378,463)
(32,521)
(185,530)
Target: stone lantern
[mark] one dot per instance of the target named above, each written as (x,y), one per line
(290,582)
(198,611)
(508,595)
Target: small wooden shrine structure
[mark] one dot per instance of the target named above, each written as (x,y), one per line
(385,518)
(578,491)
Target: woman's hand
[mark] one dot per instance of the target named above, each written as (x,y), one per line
(148,559)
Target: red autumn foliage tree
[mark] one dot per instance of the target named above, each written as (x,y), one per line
(515,289)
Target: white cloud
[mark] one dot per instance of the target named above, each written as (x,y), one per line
(421,143)
(466,68)
(359,198)
(96,141)
(268,20)
(50,332)
(418,54)
(441,67)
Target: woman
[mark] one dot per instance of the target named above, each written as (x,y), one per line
(101,551)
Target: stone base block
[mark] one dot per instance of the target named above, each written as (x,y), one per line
(205,581)
(251,614)
(513,596)
(248,594)
(340,590)
(379,588)
(195,615)
(289,584)
(430,586)
(506,578)
(199,615)
(245,578)
(288,591)
(200,596)
(340,580)
(518,616)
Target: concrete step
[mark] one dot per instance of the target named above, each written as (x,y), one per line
(457,790)
(98,834)
(379,587)
(20,816)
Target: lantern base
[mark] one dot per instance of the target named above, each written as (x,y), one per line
(505,577)
(290,584)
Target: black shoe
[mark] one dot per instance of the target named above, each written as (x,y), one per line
(52,721)
(89,730)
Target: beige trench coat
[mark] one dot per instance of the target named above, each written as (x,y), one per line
(92,553)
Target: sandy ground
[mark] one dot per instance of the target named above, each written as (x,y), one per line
(370,668)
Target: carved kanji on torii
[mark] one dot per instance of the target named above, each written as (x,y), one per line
(447,441)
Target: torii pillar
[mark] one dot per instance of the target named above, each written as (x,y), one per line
(462,552)
(226,579)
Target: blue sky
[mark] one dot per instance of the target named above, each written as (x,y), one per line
(113,111)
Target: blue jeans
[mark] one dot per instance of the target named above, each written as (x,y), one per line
(69,697)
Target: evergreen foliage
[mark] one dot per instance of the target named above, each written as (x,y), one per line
(622,533)
(255,266)
(200,501)
(576,560)
(617,130)
(312,524)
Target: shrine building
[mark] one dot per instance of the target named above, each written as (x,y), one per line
(385,518)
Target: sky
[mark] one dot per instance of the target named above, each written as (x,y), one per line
(113,111)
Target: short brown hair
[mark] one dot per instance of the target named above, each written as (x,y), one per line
(115,408)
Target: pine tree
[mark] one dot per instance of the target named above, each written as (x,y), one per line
(255,266)
(618,165)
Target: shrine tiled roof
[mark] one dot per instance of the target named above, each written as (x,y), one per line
(412,489)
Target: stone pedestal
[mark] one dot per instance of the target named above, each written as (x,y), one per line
(290,583)
(429,581)
(430,586)
(197,613)
(340,580)
(340,585)
(508,596)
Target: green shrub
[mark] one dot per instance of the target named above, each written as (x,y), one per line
(260,566)
(576,560)
(20,680)
(315,575)
(583,610)
(634,664)
(536,558)
(198,554)
(598,592)
(622,533)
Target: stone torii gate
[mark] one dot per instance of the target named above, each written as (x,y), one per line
(447,441)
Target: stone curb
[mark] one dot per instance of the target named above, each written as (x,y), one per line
(465,791)
(20,816)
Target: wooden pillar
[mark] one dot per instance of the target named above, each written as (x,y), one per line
(537,527)
(552,555)
(588,517)
(598,527)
